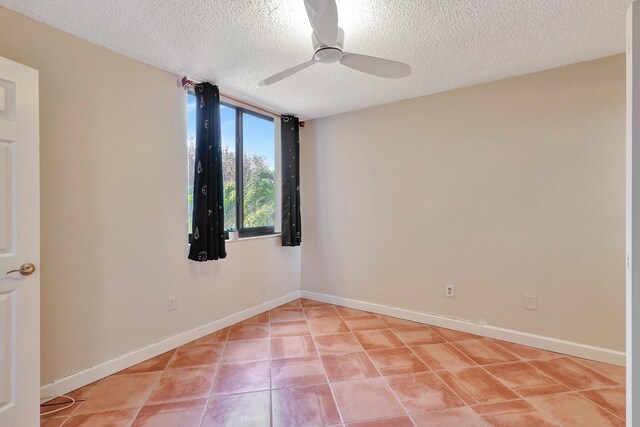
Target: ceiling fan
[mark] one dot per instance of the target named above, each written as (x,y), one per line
(328,41)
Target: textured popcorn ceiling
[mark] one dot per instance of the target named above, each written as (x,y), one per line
(449,43)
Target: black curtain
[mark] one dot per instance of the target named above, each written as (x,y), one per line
(291,229)
(208,208)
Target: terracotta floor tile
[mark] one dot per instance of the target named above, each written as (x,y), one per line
(311,303)
(245,351)
(525,379)
(452,335)
(419,336)
(512,406)
(527,353)
(272,369)
(62,409)
(395,361)
(513,413)
(154,364)
(399,324)
(441,357)
(484,352)
(196,355)
(288,347)
(327,326)
(257,319)
(175,414)
(248,332)
(423,392)
(297,372)
(170,419)
(320,312)
(475,385)
(337,343)
(291,304)
(574,410)
(364,323)
(290,329)
(286,314)
(117,418)
(611,399)
(366,400)
(525,419)
(185,405)
(457,417)
(242,377)
(386,422)
(223,334)
(309,406)
(216,337)
(349,366)
(617,374)
(119,392)
(351,312)
(183,384)
(53,422)
(239,410)
(79,394)
(572,374)
(378,339)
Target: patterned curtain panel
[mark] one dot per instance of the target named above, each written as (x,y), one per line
(291,229)
(208,208)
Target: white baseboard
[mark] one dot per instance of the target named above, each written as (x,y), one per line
(94,373)
(546,343)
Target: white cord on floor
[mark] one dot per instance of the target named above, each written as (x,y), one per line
(59,409)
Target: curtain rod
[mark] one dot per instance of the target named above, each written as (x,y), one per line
(190,83)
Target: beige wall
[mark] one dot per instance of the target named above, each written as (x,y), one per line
(505,189)
(114,216)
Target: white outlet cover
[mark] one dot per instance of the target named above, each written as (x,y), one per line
(451,291)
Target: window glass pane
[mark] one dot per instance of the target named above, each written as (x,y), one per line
(191,153)
(228,125)
(258,171)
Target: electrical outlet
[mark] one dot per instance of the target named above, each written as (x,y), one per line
(171,304)
(451,291)
(530,302)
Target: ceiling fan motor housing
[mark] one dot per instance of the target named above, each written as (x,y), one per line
(327,55)
(317,44)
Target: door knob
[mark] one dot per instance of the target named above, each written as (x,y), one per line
(25,269)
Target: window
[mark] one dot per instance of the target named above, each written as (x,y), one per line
(248,168)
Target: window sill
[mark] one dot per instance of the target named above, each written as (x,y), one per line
(266,236)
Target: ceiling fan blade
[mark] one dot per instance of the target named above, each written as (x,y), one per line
(377,66)
(286,73)
(323,15)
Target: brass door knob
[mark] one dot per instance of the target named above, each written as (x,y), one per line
(25,269)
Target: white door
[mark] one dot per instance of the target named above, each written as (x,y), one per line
(19,246)
(633,214)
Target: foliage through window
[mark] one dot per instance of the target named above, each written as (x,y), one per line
(248,168)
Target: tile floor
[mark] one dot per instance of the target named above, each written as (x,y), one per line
(308,363)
